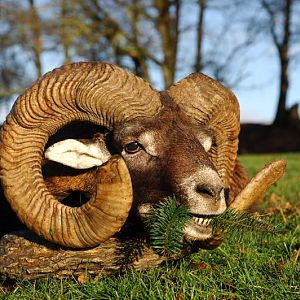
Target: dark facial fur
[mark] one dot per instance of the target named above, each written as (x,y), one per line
(171,152)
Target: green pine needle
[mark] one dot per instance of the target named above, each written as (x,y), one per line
(234,221)
(166,225)
(168,220)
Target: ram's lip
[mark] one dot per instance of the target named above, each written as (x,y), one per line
(198,228)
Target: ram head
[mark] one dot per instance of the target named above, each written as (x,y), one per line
(181,142)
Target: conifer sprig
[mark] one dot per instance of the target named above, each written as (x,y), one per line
(166,225)
(167,222)
(233,221)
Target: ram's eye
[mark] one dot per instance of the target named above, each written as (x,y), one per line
(132,147)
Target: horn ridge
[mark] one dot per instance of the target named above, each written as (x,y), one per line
(208,102)
(95,92)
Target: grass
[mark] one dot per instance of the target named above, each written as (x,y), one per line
(258,267)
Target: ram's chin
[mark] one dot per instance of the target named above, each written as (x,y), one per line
(145,210)
(198,229)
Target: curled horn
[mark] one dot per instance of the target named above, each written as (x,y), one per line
(208,102)
(95,92)
(258,185)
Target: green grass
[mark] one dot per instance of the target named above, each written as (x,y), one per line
(258,267)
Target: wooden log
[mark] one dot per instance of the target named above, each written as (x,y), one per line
(24,255)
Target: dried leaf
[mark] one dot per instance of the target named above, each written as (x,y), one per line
(270,211)
(213,269)
(295,255)
(199,265)
(228,282)
(83,278)
(274,199)
(178,296)
(280,265)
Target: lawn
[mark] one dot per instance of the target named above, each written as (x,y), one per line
(258,266)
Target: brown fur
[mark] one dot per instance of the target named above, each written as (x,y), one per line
(179,154)
(239,180)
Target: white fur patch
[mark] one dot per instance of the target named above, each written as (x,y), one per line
(77,154)
(207,143)
(147,139)
(145,209)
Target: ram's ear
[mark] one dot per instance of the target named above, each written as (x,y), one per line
(206,138)
(78,154)
(206,142)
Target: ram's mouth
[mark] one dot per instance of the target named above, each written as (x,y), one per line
(202,221)
(198,228)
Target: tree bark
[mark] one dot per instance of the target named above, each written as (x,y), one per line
(64,34)
(35,27)
(138,57)
(24,255)
(198,58)
(283,51)
(282,46)
(168,28)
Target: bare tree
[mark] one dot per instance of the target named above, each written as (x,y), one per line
(279,19)
(63,30)
(123,33)
(13,77)
(34,26)
(142,35)
(135,34)
(225,57)
(167,24)
(200,25)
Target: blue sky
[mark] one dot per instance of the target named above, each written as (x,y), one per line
(257,93)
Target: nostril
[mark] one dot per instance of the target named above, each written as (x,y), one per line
(209,192)
(205,191)
(207,184)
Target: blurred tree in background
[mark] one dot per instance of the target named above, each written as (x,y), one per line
(164,37)
(279,24)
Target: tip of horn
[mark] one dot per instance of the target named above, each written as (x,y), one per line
(258,185)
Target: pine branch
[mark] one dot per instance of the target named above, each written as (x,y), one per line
(166,225)
(235,221)
(167,222)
